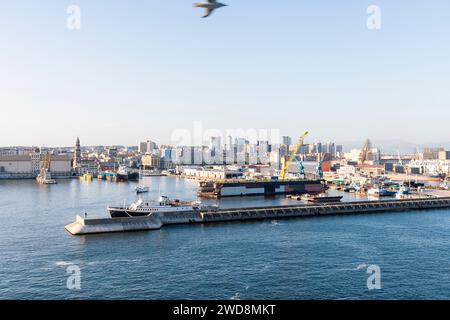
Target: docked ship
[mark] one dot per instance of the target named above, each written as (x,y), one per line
(124,174)
(143,208)
(241,188)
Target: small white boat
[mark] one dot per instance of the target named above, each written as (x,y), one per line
(141,189)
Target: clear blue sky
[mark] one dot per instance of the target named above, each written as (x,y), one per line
(140,69)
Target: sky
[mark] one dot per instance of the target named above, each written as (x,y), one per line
(141,70)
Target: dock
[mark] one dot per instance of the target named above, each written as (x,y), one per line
(83,226)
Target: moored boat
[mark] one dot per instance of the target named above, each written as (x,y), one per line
(143,208)
(380,192)
(142,189)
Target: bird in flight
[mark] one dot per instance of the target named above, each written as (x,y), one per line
(210,6)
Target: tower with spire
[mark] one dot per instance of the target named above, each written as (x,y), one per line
(77,154)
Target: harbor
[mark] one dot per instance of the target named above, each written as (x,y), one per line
(200,254)
(83,226)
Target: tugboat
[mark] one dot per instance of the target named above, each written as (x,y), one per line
(143,208)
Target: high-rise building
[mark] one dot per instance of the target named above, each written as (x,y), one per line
(229,144)
(147,147)
(241,144)
(287,141)
(215,144)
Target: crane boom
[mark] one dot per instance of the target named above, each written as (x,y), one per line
(286,164)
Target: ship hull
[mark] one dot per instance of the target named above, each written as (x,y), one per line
(117,213)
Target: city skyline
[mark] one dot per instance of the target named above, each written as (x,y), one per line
(386,146)
(156,67)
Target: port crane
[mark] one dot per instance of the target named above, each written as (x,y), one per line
(319,169)
(285,164)
(301,168)
(44,176)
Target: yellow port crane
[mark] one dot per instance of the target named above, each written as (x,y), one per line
(285,164)
(46,162)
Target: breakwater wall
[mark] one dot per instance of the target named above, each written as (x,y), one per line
(156,221)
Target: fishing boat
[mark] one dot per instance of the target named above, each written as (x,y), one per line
(380,192)
(403,192)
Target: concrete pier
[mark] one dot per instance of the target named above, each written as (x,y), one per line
(90,226)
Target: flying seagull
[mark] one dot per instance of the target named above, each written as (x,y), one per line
(210,6)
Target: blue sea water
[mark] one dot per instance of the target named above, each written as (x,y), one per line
(314,258)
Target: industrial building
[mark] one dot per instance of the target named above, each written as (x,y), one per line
(28,166)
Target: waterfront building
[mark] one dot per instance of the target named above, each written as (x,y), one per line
(212,173)
(150,162)
(36,161)
(28,166)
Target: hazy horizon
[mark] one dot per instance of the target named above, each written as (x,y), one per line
(141,70)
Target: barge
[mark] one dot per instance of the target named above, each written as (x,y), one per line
(241,188)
